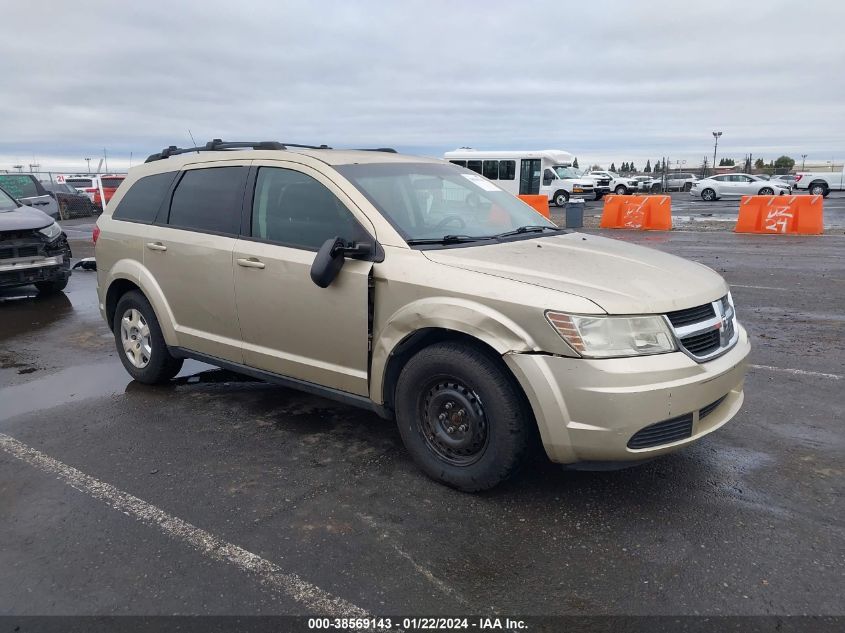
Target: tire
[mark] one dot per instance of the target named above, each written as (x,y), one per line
(486,445)
(621,190)
(599,194)
(655,189)
(708,195)
(51,287)
(687,186)
(561,198)
(818,189)
(766,191)
(160,366)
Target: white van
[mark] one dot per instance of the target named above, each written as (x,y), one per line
(530,172)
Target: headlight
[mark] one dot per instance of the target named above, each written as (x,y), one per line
(51,232)
(608,336)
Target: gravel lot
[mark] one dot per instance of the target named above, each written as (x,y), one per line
(327,508)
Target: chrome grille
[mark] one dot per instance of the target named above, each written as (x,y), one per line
(707,330)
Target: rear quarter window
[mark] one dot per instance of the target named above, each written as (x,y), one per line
(142,201)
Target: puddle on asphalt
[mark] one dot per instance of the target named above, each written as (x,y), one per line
(81,382)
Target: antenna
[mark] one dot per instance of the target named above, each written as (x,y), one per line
(192,139)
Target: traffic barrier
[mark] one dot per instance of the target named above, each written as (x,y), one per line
(799,215)
(649,213)
(540,203)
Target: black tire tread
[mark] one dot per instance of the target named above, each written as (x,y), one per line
(507,410)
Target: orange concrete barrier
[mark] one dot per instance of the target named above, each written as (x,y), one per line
(540,203)
(800,215)
(650,213)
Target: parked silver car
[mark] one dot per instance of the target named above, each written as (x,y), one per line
(726,185)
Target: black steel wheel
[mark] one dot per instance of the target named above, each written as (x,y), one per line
(462,416)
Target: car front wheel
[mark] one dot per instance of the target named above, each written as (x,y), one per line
(561,198)
(708,194)
(140,343)
(461,416)
(620,190)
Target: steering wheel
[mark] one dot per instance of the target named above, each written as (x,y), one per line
(450,218)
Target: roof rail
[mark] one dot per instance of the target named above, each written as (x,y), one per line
(376,149)
(220,145)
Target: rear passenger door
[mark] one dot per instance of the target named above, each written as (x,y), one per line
(188,251)
(289,325)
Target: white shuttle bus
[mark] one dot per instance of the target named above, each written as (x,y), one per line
(547,171)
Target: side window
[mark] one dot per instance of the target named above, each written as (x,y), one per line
(462,163)
(18,186)
(209,200)
(507,169)
(474,165)
(141,202)
(491,169)
(293,209)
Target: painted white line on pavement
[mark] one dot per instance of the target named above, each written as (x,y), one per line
(798,372)
(266,572)
(756,287)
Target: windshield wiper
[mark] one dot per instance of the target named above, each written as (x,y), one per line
(447,239)
(529,228)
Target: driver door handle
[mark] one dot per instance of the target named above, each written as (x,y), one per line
(250,262)
(156,246)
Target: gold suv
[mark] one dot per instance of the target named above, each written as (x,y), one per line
(423,292)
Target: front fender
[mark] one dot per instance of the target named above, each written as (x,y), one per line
(459,315)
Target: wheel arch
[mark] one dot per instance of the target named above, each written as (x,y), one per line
(128,275)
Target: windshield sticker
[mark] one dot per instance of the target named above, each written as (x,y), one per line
(481,182)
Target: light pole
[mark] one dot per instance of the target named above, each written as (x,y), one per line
(803,158)
(716,136)
(88,160)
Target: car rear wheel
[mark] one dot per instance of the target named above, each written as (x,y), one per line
(561,198)
(620,190)
(708,194)
(461,416)
(818,189)
(767,191)
(140,343)
(51,287)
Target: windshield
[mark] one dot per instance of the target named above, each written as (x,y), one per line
(566,172)
(425,201)
(7,203)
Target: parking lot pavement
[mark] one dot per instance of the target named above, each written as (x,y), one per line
(217,494)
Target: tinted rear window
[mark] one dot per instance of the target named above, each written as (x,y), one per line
(18,186)
(113,183)
(209,200)
(141,202)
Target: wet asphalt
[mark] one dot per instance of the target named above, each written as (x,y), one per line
(748,521)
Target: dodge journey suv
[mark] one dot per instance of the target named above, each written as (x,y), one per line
(423,292)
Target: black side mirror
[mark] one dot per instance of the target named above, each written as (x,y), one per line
(330,258)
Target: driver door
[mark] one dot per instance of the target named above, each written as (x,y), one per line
(289,325)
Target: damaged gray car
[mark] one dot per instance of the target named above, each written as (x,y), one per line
(33,248)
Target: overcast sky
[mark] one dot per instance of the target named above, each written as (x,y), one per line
(608,81)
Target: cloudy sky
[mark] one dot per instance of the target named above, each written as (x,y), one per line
(608,81)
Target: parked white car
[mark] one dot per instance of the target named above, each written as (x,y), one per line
(647,184)
(727,185)
(820,183)
(620,185)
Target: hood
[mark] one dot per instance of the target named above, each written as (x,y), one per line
(619,277)
(24,218)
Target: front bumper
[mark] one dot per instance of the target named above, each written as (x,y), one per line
(589,409)
(51,263)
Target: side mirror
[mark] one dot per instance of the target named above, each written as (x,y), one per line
(330,259)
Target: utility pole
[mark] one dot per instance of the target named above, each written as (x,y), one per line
(88,160)
(716,136)
(106,158)
(803,158)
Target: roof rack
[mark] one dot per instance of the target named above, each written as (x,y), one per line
(217,145)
